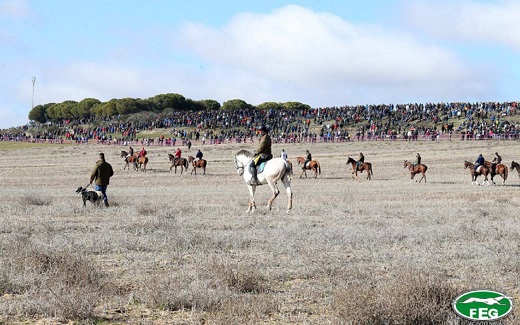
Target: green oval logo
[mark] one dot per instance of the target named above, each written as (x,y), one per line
(482,305)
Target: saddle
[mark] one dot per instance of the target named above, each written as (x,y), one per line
(358,166)
(478,169)
(263,159)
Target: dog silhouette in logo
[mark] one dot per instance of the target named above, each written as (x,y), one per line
(487,301)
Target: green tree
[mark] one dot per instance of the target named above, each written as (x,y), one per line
(128,105)
(85,108)
(296,105)
(163,101)
(210,104)
(235,104)
(38,114)
(106,109)
(270,105)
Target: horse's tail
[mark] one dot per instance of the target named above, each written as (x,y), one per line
(371,171)
(186,164)
(319,168)
(506,172)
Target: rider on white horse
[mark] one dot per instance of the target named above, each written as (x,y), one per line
(262,153)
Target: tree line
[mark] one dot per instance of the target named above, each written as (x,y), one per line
(163,103)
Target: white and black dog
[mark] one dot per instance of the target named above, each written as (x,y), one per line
(95,197)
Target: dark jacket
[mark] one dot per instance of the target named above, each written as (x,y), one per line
(102,173)
(480,160)
(264,146)
(199,154)
(497,159)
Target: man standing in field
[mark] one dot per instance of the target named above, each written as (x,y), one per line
(283,155)
(101,174)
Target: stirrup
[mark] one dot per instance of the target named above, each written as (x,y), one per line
(253,182)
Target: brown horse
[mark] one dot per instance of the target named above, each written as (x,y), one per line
(201,163)
(142,161)
(363,166)
(182,162)
(129,159)
(482,170)
(500,169)
(421,168)
(313,165)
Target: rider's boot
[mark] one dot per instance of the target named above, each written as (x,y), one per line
(254,179)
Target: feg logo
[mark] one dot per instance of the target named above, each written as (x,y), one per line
(482,305)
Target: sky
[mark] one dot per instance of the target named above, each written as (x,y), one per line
(320,53)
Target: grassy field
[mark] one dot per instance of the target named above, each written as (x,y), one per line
(180,249)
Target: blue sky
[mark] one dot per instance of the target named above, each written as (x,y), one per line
(322,53)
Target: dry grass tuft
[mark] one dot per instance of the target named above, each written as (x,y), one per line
(411,298)
(57,283)
(34,200)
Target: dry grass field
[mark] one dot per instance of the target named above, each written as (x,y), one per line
(180,249)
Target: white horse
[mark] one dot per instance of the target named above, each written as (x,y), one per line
(275,169)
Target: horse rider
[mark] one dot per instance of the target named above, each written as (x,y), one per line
(142,153)
(417,161)
(198,156)
(308,158)
(360,161)
(479,162)
(130,151)
(177,154)
(262,153)
(283,154)
(497,160)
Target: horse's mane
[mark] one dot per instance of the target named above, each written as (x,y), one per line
(245,153)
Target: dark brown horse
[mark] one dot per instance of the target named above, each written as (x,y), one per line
(129,159)
(482,170)
(313,165)
(515,165)
(500,169)
(362,167)
(182,162)
(421,168)
(201,163)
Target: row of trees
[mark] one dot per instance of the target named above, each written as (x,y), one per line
(164,103)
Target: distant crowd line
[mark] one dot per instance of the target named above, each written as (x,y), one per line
(481,120)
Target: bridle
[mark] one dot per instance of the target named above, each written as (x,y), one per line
(240,168)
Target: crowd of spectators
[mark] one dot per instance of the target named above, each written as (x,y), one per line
(481,120)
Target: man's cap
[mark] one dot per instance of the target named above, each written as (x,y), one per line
(101,155)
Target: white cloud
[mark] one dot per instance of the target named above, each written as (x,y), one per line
(494,23)
(14,8)
(323,54)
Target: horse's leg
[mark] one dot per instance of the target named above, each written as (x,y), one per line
(315,170)
(412,175)
(287,184)
(252,206)
(204,170)
(275,192)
